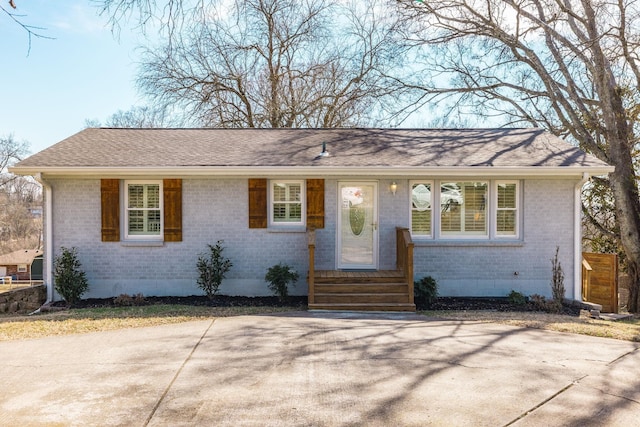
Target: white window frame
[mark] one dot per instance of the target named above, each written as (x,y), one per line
(464,234)
(491,210)
(303,203)
(495,209)
(126,209)
(430,209)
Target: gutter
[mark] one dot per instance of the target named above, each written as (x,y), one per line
(317,170)
(577,238)
(48,238)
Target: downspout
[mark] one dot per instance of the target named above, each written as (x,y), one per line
(577,238)
(48,237)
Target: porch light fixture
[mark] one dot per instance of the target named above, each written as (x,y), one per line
(393,188)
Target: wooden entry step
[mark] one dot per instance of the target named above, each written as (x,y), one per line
(364,307)
(361,291)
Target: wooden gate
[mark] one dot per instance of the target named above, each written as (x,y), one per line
(600,280)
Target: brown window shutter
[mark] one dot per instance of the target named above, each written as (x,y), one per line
(110,212)
(172,194)
(257,203)
(315,203)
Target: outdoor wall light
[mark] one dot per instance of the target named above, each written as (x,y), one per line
(393,188)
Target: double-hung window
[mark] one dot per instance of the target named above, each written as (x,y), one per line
(421,212)
(143,206)
(506,209)
(287,205)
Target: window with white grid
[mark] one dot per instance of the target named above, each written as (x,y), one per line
(507,209)
(143,208)
(287,203)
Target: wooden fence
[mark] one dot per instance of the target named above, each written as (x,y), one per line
(600,280)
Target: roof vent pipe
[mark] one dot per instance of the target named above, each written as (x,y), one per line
(324,153)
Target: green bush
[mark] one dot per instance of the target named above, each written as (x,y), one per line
(517,298)
(279,277)
(213,268)
(425,292)
(70,281)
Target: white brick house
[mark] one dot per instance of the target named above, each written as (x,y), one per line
(485,208)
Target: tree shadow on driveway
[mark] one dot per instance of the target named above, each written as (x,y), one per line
(346,369)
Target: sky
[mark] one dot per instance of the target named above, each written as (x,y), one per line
(84,72)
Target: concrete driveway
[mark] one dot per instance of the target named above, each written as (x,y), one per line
(320,369)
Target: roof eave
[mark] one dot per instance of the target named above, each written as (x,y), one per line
(246,171)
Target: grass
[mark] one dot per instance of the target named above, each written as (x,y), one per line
(74,321)
(627,330)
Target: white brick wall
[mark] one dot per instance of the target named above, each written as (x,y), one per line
(488,269)
(216,209)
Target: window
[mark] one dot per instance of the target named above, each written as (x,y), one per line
(421,201)
(507,209)
(463,207)
(287,203)
(143,206)
(467,209)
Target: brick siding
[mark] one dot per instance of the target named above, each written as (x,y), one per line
(217,209)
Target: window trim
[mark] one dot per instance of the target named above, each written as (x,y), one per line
(431,183)
(462,235)
(125,211)
(495,209)
(271,202)
(491,207)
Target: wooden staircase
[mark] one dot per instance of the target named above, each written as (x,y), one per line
(361,291)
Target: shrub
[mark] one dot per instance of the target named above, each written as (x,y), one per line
(540,303)
(517,298)
(125,300)
(213,268)
(425,292)
(70,281)
(279,276)
(557,279)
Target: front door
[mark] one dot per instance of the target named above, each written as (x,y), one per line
(357,225)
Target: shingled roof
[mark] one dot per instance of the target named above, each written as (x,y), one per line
(414,150)
(25,256)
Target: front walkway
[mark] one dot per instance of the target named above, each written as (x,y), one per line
(320,369)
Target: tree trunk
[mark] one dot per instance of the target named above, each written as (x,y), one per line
(627,209)
(627,203)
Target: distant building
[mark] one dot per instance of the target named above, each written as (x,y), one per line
(24,264)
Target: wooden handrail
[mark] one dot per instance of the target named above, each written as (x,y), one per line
(311,242)
(404,257)
(586,279)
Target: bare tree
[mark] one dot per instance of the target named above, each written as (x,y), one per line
(19,228)
(135,117)
(11,151)
(18,18)
(279,63)
(21,215)
(572,67)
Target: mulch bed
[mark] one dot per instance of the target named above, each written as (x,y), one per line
(442,303)
(491,304)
